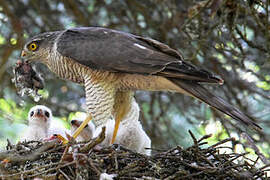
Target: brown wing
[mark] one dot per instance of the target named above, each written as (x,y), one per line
(115,51)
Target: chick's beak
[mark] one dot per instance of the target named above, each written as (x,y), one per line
(39,112)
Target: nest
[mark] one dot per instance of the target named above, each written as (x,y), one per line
(86,160)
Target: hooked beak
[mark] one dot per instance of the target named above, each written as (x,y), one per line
(23,53)
(26,56)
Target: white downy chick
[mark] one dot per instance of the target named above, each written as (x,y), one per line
(39,120)
(57,129)
(41,125)
(130,133)
(86,134)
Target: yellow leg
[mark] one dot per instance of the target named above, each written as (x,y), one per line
(121,108)
(116,126)
(64,140)
(80,128)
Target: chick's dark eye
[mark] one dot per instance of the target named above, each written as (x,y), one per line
(32,113)
(47,114)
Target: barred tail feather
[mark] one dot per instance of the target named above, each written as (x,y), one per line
(198,91)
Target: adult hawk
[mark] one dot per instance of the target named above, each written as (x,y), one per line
(113,64)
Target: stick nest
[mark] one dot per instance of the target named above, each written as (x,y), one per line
(86,160)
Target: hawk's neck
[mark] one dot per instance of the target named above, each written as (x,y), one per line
(65,68)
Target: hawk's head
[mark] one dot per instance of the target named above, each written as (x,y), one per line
(38,47)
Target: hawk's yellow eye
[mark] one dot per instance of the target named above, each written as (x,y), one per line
(33,46)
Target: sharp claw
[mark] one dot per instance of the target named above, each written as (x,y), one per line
(61,138)
(58,137)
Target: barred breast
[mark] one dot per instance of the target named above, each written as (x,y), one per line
(100,97)
(100,86)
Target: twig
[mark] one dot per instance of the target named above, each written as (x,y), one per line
(17,175)
(64,174)
(222,142)
(94,167)
(204,137)
(252,145)
(195,15)
(53,169)
(16,158)
(96,141)
(193,137)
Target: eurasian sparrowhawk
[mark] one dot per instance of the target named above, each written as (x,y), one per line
(113,64)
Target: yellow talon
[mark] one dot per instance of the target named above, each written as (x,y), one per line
(64,140)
